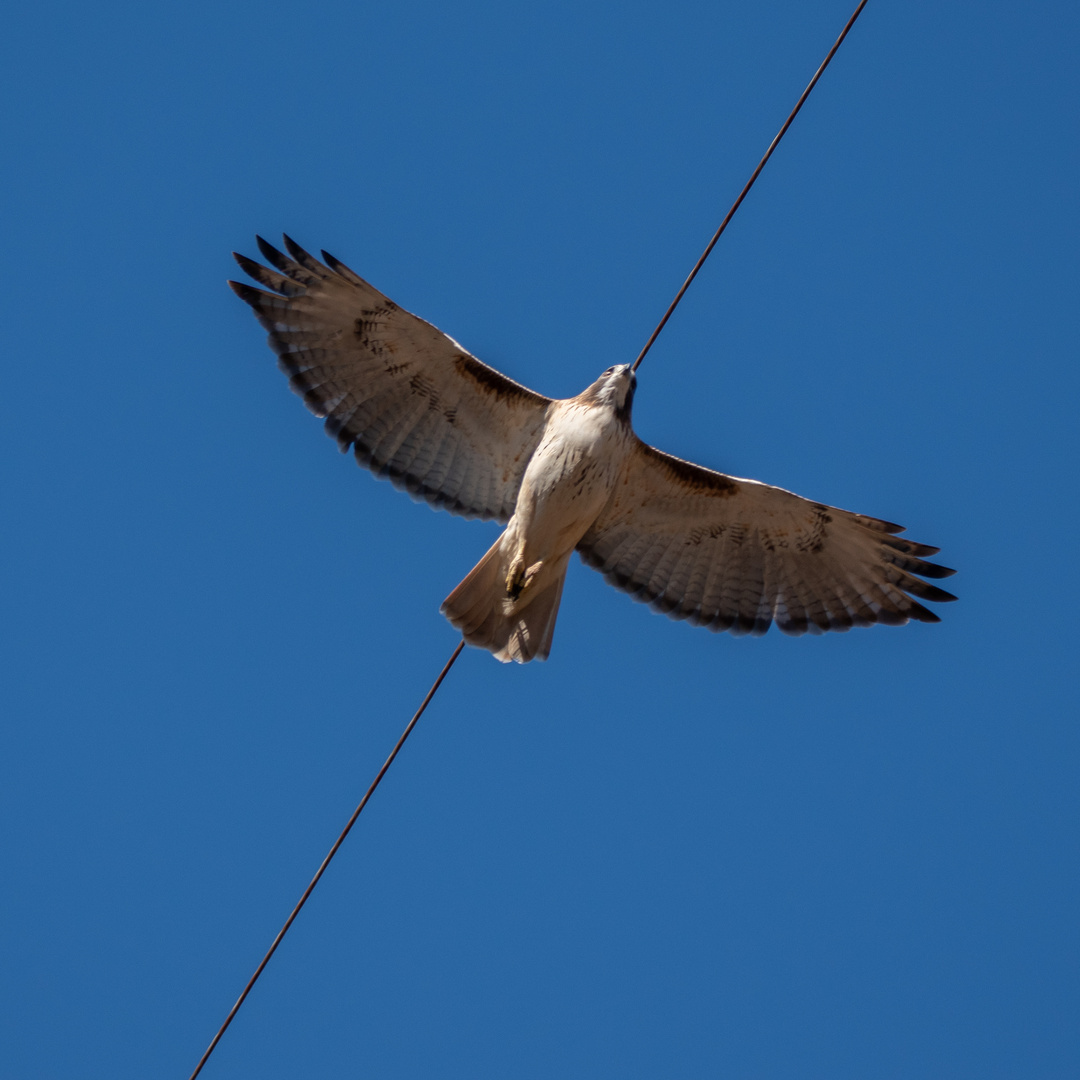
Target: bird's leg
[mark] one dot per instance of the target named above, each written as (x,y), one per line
(519,577)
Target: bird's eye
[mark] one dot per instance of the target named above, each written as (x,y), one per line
(609,371)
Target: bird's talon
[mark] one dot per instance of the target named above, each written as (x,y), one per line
(519,578)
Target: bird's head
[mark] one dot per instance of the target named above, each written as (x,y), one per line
(614,389)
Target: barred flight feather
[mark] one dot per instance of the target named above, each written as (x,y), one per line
(737,555)
(411,403)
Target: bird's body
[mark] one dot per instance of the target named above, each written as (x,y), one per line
(719,551)
(509,602)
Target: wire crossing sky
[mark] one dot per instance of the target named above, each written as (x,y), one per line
(457,652)
(746,188)
(332,852)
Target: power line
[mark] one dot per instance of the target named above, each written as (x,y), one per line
(749,184)
(326,862)
(461,644)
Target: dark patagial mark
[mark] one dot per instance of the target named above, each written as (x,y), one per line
(491,382)
(690,474)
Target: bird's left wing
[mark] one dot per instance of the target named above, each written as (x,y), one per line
(411,402)
(736,555)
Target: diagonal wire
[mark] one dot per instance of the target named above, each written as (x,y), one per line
(326,862)
(749,184)
(461,644)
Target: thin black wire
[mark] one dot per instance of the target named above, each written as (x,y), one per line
(749,184)
(326,862)
(461,645)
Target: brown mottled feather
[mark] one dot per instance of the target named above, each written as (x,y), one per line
(412,404)
(736,555)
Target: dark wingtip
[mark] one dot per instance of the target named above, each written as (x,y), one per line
(909,547)
(248,293)
(294,249)
(304,258)
(921,614)
(270,252)
(877,524)
(935,570)
(339,268)
(249,266)
(914,565)
(928,592)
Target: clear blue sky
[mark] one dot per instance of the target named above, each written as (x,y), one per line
(663,853)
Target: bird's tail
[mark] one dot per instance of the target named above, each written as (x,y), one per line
(490,618)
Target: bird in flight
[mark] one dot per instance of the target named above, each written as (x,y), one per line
(568,475)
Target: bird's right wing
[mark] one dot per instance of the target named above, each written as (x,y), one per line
(735,555)
(412,403)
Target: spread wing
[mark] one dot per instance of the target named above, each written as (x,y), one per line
(411,402)
(736,555)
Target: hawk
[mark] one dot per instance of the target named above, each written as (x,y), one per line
(568,475)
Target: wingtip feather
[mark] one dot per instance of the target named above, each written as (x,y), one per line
(273,256)
(304,258)
(341,269)
(249,294)
(921,614)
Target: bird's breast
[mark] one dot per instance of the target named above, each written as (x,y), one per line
(570,476)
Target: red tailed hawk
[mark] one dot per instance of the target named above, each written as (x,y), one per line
(722,552)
